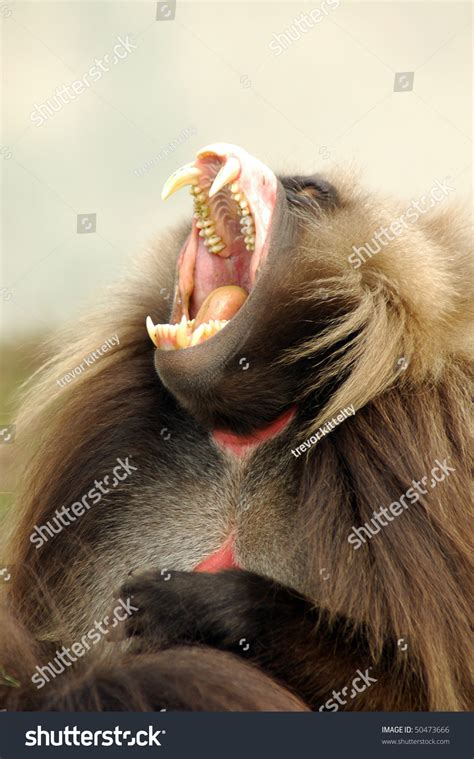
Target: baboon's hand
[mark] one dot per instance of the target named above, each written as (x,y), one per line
(251,616)
(233,610)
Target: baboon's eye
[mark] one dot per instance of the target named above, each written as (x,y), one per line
(310,190)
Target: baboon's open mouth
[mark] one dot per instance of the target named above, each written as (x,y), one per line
(234,198)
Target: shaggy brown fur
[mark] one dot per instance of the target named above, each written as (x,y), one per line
(327,335)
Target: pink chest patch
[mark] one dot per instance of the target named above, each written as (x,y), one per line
(221,559)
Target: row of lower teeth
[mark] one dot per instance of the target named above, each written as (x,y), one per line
(183,334)
(207,226)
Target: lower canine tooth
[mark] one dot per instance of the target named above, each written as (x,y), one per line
(151,330)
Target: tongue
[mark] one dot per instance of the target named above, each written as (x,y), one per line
(221,303)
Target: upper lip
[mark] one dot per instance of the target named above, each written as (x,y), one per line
(230,189)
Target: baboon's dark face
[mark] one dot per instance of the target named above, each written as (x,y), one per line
(236,306)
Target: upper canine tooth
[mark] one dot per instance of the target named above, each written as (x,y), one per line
(187,174)
(151,330)
(229,172)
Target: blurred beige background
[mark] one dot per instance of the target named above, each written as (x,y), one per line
(211,73)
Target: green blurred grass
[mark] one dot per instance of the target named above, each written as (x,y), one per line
(18,360)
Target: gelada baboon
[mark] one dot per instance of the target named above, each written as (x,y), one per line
(274,488)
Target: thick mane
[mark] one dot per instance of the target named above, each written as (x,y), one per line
(67,433)
(410,580)
(412,300)
(404,364)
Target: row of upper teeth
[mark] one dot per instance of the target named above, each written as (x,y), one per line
(228,173)
(182,335)
(247,224)
(206,225)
